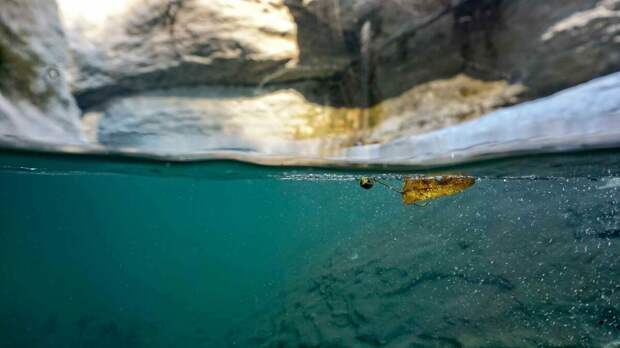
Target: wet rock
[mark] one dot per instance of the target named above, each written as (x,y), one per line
(35,101)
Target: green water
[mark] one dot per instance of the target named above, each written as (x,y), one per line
(98,252)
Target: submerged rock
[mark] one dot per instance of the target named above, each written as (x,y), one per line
(505,264)
(35,101)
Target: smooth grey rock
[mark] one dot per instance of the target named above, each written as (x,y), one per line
(546,46)
(200,124)
(275,120)
(409,49)
(210,118)
(159,43)
(35,102)
(155,44)
(195,121)
(585,116)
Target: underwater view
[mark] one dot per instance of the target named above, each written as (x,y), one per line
(309,173)
(108,253)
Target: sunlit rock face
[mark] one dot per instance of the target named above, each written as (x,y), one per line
(584,116)
(159,43)
(378,70)
(282,122)
(35,101)
(186,120)
(430,64)
(439,104)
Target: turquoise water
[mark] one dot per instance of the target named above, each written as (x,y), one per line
(109,252)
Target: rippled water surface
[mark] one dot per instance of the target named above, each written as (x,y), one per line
(100,252)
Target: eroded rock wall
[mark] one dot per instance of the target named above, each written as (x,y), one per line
(35,101)
(397,67)
(161,44)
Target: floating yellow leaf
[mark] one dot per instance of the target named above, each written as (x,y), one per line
(419,189)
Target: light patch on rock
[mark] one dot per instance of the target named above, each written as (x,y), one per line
(207,118)
(606,9)
(150,44)
(610,183)
(91,17)
(585,116)
(441,103)
(89,124)
(194,118)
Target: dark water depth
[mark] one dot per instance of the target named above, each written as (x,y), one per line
(109,258)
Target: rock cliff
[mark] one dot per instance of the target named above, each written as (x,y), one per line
(316,73)
(35,101)
(379,69)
